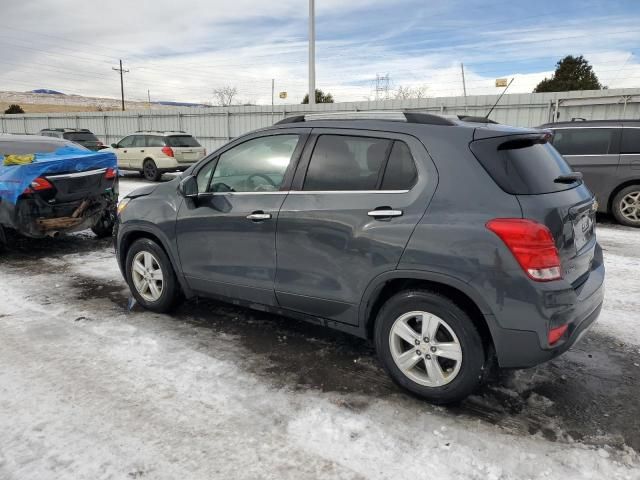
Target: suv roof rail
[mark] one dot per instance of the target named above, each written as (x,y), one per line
(389,115)
(578,119)
(475,119)
(159,131)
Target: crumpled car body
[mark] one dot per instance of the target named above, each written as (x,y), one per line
(65,188)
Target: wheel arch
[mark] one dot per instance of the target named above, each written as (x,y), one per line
(127,238)
(386,285)
(616,190)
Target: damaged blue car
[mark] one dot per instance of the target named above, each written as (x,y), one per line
(51,186)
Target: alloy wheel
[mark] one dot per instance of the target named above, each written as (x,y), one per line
(147,276)
(630,206)
(425,348)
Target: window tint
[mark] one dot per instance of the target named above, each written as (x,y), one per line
(182,141)
(257,165)
(126,142)
(204,175)
(139,141)
(80,137)
(13,147)
(155,141)
(630,140)
(522,166)
(584,141)
(346,163)
(400,173)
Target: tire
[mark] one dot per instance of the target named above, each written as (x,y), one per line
(626,206)
(150,170)
(433,377)
(144,249)
(104,226)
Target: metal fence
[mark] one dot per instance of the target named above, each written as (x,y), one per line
(216,125)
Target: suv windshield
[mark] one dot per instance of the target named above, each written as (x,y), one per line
(80,137)
(523,165)
(182,141)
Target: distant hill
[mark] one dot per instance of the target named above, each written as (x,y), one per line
(181,104)
(44,90)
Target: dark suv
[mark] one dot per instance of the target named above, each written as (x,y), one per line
(449,243)
(81,136)
(607,153)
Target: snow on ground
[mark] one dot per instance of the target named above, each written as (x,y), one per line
(90,390)
(621,313)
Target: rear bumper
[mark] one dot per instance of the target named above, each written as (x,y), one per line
(578,308)
(37,219)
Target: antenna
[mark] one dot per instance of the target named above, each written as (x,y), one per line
(498,101)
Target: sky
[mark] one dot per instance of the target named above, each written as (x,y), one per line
(182,51)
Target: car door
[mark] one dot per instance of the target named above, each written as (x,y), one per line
(137,152)
(122,151)
(355,200)
(593,151)
(227,236)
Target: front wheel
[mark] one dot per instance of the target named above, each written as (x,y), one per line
(626,206)
(150,276)
(430,346)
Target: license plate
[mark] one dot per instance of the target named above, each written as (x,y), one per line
(582,231)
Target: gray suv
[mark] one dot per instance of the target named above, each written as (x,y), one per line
(449,243)
(607,153)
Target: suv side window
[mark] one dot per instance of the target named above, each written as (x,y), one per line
(257,165)
(584,141)
(126,142)
(630,140)
(341,162)
(154,141)
(139,140)
(401,173)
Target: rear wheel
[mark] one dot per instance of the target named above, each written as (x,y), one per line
(430,346)
(626,206)
(150,170)
(150,276)
(104,226)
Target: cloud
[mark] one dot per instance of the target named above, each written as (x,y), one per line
(182,50)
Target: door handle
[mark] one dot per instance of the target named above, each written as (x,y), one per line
(258,216)
(124,151)
(141,151)
(386,213)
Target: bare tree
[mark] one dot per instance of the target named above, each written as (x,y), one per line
(406,92)
(223,96)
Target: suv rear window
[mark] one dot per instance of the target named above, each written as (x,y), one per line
(182,141)
(630,140)
(80,137)
(523,165)
(13,147)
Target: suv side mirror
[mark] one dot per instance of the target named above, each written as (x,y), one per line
(114,145)
(188,187)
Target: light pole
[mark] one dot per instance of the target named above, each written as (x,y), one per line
(312,52)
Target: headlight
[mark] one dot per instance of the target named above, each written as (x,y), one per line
(123,204)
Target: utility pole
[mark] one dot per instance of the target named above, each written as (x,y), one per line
(464,86)
(312,52)
(273,87)
(149,98)
(121,70)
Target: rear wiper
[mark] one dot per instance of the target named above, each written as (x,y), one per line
(569,178)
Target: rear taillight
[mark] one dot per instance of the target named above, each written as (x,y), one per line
(168,151)
(110,174)
(38,185)
(531,243)
(556,334)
